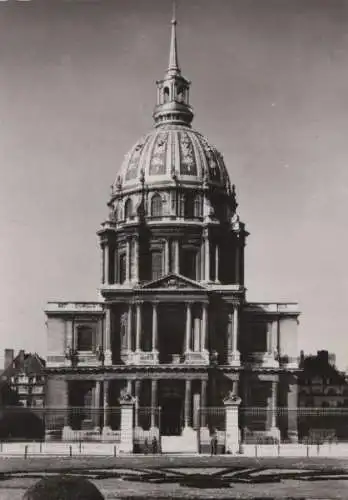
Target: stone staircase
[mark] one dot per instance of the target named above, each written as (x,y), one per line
(186,443)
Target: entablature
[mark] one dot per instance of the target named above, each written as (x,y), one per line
(272,308)
(60,307)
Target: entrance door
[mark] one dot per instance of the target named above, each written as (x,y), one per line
(171,416)
(172,326)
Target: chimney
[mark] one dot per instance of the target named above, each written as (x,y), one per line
(21,358)
(8,358)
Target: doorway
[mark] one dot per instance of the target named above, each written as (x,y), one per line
(172,323)
(171,413)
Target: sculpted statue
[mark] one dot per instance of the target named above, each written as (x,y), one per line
(231,397)
(126,397)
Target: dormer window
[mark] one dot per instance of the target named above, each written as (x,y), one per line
(156,206)
(128,209)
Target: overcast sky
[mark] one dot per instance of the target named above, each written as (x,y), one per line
(269,89)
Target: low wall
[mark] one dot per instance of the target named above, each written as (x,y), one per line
(58,449)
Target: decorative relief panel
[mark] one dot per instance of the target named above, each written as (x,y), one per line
(132,169)
(158,157)
(187,158)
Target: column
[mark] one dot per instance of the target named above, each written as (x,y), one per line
(154,325)
(206,258)
(275,336)
(96,403)
(187,403)
(204,326)
(116,270)
(196,410)
(129,387)
(69,334)
(216,263)
(197,334)
(136,259)
(177,252)
(235,329)
(107,337)
(230,335)
(129,327)
(137,401)
(154,405)
(128,258)
(66,403)
(105,403)
(188,326)
(269,338)
(166,257)
(106,264)
(274,405)
(74,339)
(292,409)
(232,341)
(237,261)
(138,327)
(204,384)
(103,264)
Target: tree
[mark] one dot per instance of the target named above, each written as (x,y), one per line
(63,488)
(8,397)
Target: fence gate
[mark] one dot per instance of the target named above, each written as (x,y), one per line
(147,434)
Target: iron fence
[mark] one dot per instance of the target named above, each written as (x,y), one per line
(213,418)
(257,425)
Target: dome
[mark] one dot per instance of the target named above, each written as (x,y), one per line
(170,153)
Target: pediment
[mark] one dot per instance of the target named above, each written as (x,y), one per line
(174,281)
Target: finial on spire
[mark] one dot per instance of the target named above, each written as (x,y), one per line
(173,53)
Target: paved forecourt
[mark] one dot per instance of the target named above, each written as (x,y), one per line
(335,450)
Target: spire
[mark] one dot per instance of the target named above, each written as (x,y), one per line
(173,66)
(173,91)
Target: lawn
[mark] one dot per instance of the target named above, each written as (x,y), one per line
(189,477)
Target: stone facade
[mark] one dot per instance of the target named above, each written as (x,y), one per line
(173,326)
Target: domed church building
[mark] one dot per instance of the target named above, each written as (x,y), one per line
(172,326)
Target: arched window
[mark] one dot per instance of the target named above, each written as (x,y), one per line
(156,264)
(165,94)
(180,94)
(198,206)
(85,338)
(156,205)
(128,209)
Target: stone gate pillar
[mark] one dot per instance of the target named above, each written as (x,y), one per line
(127,403)
(232,438)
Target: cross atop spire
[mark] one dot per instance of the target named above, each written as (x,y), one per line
(173,66)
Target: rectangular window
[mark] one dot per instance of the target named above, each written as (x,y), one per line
(188,264)
(156,264)
(85,337)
